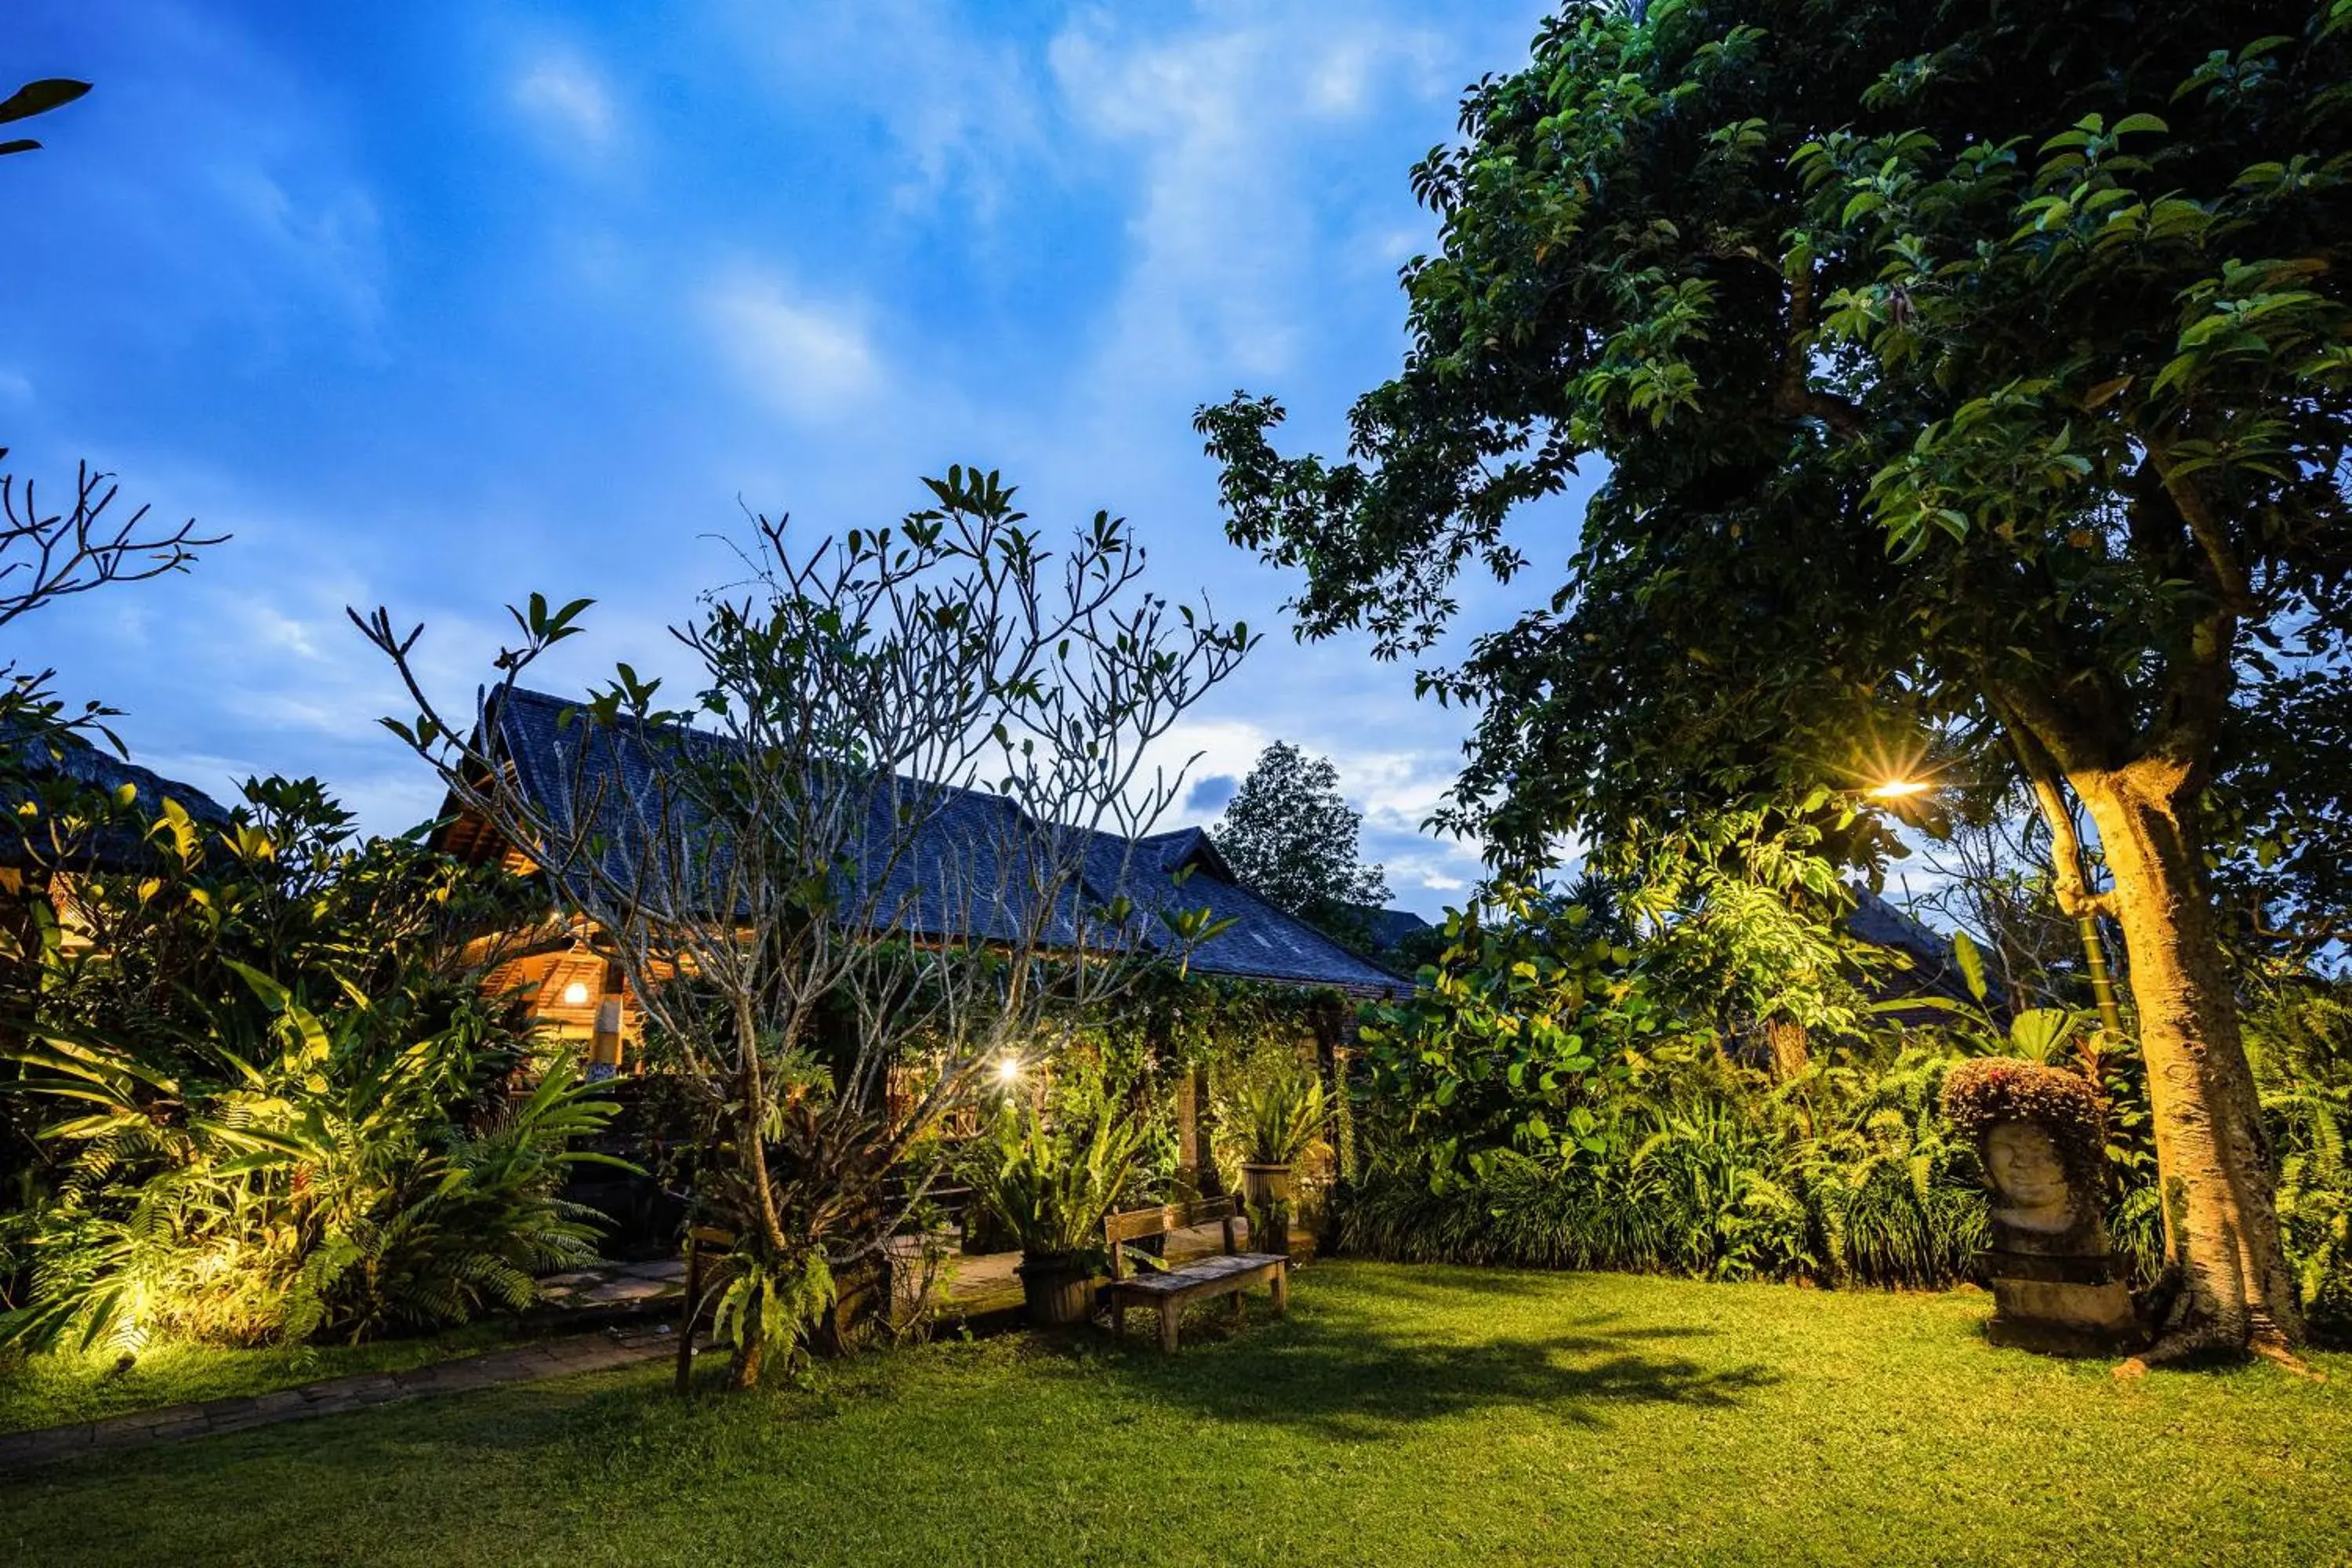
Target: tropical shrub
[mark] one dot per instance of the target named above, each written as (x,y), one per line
(1274,1114)
(1696,1167)
(2300,1035)
(1500,1043)
(267,1101)
(1896,1193)
(1049,1180)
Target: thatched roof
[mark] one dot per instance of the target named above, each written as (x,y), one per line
(960,878)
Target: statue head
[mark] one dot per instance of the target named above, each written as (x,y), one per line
(2041,1132)
(2029,1176)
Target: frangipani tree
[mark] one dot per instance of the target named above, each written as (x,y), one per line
(892,832)
(1981,368)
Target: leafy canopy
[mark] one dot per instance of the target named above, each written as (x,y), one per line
(1963,366)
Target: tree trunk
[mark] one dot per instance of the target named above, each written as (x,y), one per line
(2222,1232)
(752,1349)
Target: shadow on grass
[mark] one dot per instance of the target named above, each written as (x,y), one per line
(1347,1368)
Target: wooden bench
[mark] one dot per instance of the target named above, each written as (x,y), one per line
(1169,1288)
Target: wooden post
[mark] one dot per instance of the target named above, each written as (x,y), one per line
(1790,1054)
(1202,1145)
(604,1046)
(1188,1122)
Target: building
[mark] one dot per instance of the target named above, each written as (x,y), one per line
(577,992)
(75,809)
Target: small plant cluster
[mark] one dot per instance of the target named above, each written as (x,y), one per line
(1982,1094)
(1275,1115)
(1048,1172)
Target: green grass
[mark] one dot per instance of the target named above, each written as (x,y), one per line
(1402,1415)
(55,1389)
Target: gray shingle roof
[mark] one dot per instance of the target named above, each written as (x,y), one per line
(1932,972)
(31,763)
(965,866)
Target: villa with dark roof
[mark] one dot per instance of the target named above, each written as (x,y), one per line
(577,992)
(51,784)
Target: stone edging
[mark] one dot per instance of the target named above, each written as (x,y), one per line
(175,1423)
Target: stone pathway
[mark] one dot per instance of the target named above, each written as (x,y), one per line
(635,1285)
(523,1364)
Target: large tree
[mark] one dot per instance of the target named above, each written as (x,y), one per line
(1290,834)
(1967,367)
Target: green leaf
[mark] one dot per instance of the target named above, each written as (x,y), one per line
(1971,959)
(40,98)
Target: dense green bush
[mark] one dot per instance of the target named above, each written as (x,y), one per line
(1562,1094)
(2300,1036)
(264,1100)
(1695,1166)
(1850,1175)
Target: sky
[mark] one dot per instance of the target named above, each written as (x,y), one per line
(437,304)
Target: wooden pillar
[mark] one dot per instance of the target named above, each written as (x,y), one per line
(1188,1130)
(1790,1054)
(1202,1143)
(1334,1028)
(604,1046)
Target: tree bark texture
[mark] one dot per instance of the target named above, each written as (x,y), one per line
(751,1350)
(2221,1230)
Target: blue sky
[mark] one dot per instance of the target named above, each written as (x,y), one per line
(435,304)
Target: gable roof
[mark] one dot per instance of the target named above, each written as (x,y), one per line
(32,759)
(1931,971)
(1389,927)
(963,868)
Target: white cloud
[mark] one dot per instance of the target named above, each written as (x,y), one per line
(809,361)
(960,107)
(325,232)
(1221,116)
(565,97)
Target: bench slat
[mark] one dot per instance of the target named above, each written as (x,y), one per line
(1206,1275)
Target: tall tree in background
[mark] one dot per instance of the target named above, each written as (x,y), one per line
(1972,368)
(1292,838)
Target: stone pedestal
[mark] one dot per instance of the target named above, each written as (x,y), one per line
(2071,1306)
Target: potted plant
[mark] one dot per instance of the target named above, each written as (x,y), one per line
(1277,1117)
(1050,1188)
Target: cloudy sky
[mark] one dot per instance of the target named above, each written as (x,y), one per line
(435,304)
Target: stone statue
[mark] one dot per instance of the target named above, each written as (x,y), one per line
(2039,1131)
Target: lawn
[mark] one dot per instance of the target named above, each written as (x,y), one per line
(1402,1415)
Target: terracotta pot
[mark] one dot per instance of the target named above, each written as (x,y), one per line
(1057,1288)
